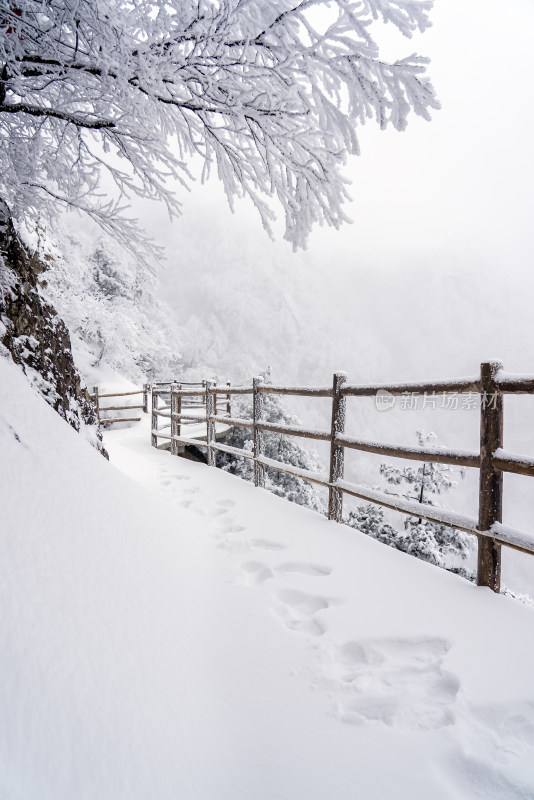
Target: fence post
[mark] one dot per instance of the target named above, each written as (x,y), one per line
(145,398)
(178,407)
(97,405)
(210,426)
(259,438)
(337,453)
(491,480)
(154,420)
(228,402)
(174,445)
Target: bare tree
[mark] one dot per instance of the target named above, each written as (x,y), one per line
(271,93)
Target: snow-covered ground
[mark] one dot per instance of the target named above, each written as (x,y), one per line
(170,631)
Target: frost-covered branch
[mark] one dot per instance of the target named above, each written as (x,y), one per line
(73,119)
(270,94)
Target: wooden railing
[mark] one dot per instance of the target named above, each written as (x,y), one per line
(173,410)
(97,396)
(491,460)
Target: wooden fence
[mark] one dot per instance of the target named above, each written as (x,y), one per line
(97,396)
(176,403)
(491,460)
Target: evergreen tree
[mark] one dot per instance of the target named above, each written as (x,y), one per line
(437,544)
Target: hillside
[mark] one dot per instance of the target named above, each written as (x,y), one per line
(171,631)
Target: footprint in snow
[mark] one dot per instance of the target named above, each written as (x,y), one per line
(256,572)
(267,544)
(225,503)
(196,508)
(226,525)
(185,504)
(304,569)
(298,611)
(216,512)
(238,545)
(395,682)
(499,733)
(477,776)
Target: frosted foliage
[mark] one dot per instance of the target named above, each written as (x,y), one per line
(109,305)
(430,541)
(437,544)
(267,94)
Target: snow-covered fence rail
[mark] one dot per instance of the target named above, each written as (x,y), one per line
(97,396)
(491,460)
(179,406)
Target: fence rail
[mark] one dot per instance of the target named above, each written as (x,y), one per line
(471,385)
(492,460)
(178,400)
(97,396)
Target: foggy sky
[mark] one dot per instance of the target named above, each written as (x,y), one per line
(436,267)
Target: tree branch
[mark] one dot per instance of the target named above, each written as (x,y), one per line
(35,111)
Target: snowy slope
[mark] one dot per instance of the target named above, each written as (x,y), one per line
(173,632)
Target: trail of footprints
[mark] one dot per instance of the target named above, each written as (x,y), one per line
(394,682)
(401,683)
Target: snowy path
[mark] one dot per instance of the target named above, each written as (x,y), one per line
(186,635)
(404,653)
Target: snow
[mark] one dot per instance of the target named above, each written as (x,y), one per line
(194,432)
(502,378)
(318,391)
(504,533)
(520,460)
(171,631)
(224,389)
(292,430)
(305,474)
(237,421)
(232,451)
(470,384)
(405,452)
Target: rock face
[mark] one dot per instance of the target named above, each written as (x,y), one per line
(35,335)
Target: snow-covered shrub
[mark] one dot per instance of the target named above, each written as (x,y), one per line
(437,544)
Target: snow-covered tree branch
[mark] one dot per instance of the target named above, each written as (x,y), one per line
(270,94)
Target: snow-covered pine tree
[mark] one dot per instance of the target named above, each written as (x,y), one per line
(369,519)
(437,544)
(279,447)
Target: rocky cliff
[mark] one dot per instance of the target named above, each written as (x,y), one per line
(35,335)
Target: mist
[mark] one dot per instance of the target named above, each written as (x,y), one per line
(432,277)
(434,273)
